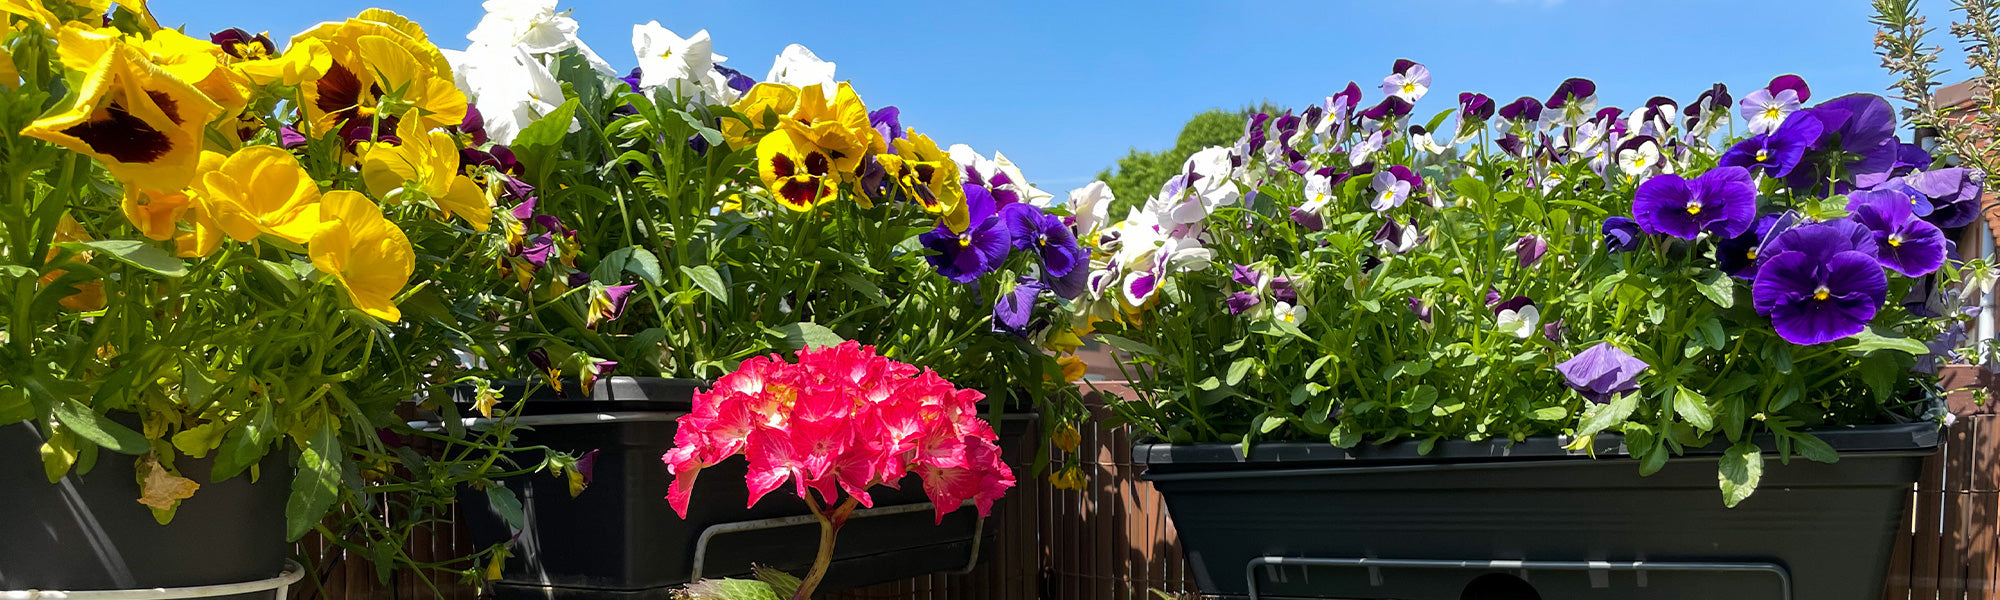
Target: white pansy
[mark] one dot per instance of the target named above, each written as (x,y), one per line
(799,67)
(1028,192)
(1520,322)
(1641,160)
(1765,111)
(684,67)
(1288,313)
(1092,206)
(534,25)
(1319,191)
(510,88)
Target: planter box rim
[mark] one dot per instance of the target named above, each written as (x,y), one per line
(1917,438)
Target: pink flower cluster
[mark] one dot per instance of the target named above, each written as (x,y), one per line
(843,418)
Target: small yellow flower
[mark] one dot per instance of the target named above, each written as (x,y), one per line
(426,166)
(798,174)
(1064,341)
(160,488)
(1073,368)
(145,125)
(262,189)
(1067,438)
(156,214)
(366,253)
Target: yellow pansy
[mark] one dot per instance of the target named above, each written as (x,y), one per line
(304,61)
(259,190)
(54,13)
(798,174)
(929,176)
(10,77)
(367,254)
(840,127)
(379,63)
(1063,341)
(1073,368)
(764,106)
(157,214)
(145,125)
(425,164)
(197,62)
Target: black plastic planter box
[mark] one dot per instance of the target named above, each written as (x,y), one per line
(1313,521)
(620,538)
(89,532)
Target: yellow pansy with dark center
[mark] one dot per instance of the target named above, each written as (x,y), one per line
(379,62)
(795,171)
(144,124)
(932,178)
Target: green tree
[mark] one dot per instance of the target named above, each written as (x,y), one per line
(1140,173)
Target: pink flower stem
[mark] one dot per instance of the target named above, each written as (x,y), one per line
(829,526)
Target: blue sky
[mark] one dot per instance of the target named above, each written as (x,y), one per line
(1065,87)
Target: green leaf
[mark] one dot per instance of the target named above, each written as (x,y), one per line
(1717,286)
(1411,368)
(1604,416)
(14,405)
(316,486)
(137,253)
(647,267)
(1873,339)
(781,582)
(729,589)
(866,288)
(807,334)
(1422,398)
(710,281)
(1277,328)
(1694,408)
(537,143)
(98,429)
(1239,369)
(1813,448)
(1269,422)
(506,504)
(1312,370)
(1742,465)
(1549,413)
(1471,188)
(1128,345)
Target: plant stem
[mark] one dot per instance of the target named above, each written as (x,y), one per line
(829,526)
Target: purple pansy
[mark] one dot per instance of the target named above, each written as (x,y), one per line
(1737,256)
(1397,238)
(888,121)
(1777,152)
(1858,132)
(1820,282)
(1421,310)
(290,138)
(1722,201)
(1903,243)
(1474,106)
(1529,250)
(1308,220)
(1390,109)
(964,256)
(1948,198)
(1241,301)
(1282,290)
(1574,101)
(1045,235)
(736,79)
(1015,310)
(1522,110)
(1602,372)
(1409,82)
(632,80)
(1621,234)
